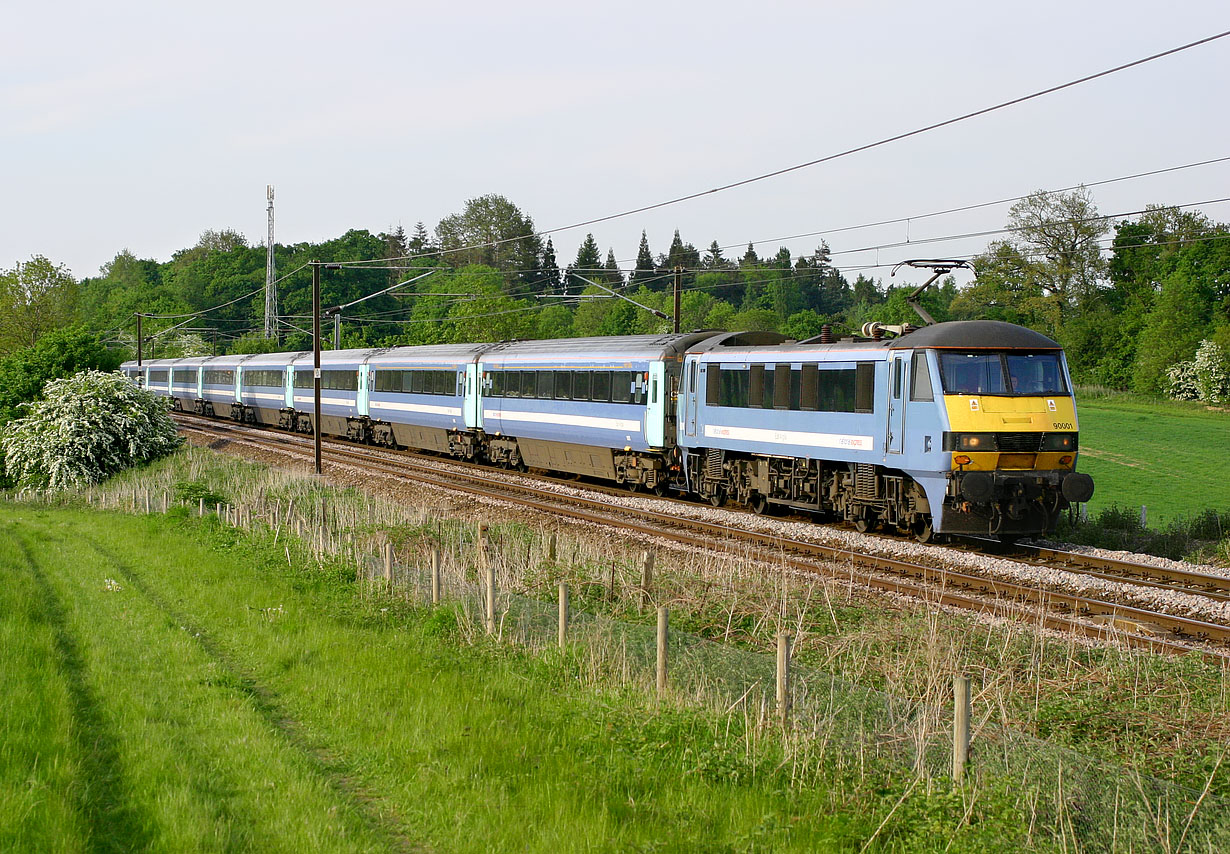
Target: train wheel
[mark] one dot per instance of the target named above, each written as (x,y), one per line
(863,524)
(759,504)
(924,533)
(660,488)
(717,499)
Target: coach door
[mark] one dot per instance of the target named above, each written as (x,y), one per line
(689,398)
(472,398)
(897,362)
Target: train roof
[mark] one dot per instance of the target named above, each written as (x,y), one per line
(437,353)
(651,347)
(974,335)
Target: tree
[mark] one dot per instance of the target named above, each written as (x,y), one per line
(57,354)
(395,247)
(491,231)
(549,280)
(86,428)
(611,274)
(420,243)
(587,264)
(714,260)
(644,271)
(36,297)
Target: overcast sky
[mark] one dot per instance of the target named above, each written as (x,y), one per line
(139,125)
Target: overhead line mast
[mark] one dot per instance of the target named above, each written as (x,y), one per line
(271,284)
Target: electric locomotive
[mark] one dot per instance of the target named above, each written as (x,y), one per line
(966,427)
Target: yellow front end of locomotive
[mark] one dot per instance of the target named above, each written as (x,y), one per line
(994,433)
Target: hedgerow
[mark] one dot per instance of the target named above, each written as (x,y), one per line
(86,428)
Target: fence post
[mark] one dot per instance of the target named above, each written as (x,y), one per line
(663,636)
(435,576)
(200,510)
(783,677)
(1144,516)
(490,598)
(960,726)
(388,565)
(647,560)
(481,545)
(563,614)
(551,548)
(147,510)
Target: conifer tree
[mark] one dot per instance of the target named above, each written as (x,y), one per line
(612,275)
(587,264)
(750,258)
(549,276)
(644,264)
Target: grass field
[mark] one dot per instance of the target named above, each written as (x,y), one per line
(1173,457)
(170,683)
(167,685)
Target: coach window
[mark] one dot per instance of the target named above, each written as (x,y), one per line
(621,386)
(781,387)
(580,384)
(756,387)
(512,383)
(563,385)
(809,391)
(653,390)
(600,390)
(920,378)
(544,385)
(898,370)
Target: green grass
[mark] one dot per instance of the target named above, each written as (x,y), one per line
(1172,457)
(171,685)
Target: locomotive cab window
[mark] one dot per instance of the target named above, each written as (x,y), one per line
(1012,374)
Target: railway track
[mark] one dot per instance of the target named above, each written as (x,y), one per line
(1064,611)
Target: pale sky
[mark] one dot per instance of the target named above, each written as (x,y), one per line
(139,125)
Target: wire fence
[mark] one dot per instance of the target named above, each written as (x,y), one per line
(1070,800)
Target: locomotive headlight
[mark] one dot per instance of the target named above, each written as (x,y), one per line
(976,442)
(1059,442)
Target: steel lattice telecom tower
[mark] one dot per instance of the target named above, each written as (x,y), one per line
(271,287)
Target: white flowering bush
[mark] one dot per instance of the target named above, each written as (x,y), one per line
(86,428)
(1182,381)
(1206,377)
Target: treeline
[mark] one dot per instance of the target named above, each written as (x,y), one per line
(1128,300)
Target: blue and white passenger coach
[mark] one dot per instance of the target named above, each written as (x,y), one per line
(591,406)
(426,397)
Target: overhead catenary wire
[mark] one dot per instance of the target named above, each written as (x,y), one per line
(840,229)
(846,152)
